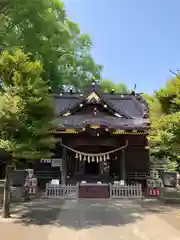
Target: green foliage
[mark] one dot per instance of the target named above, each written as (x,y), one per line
(26,108)
(43,29)
(165,118)
(169,96)
(108,85)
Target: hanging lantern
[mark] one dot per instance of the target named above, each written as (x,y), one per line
(108,157)
(84,158)
(104,158)
(76,155)
(97,159)
(88,159)
(92,159)
(100,158)
(80,157)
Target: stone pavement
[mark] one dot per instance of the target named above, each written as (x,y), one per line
(86,219)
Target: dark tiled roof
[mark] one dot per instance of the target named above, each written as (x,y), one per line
(128,106)
(125,104)
(65,102)
(127,111)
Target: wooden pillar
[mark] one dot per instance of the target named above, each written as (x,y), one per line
(81,166)
(101,167)
(76,169)
(64,166)
(122,165)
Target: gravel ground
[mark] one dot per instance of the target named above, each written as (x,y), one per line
(92,219)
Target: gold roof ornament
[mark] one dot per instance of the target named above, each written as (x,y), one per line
(133,132)
(67,114)
(70,130)
(92,96)
(117,115)
(119,131)
(95,126)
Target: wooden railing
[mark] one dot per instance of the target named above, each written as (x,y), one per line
(126,191)
(62,191)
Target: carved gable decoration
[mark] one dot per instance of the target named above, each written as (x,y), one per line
(93,96)
(101,104)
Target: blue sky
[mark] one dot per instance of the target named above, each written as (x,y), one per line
(137,41)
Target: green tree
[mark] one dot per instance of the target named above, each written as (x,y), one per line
(108,85)
(26,112)
(43,29)
(165,117)
(4,5)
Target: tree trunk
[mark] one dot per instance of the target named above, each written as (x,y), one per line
(7,191)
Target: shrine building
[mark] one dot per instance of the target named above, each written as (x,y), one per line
(102,138)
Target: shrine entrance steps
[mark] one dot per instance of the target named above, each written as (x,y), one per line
(114,191)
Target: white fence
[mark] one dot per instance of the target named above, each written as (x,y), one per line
(62,191)
(125,191)
(117,191)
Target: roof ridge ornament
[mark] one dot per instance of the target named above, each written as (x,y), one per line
(133,92)
(95,86)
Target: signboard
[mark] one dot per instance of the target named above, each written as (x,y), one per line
(55,181)
(56,162)
(45,160)
(122,182)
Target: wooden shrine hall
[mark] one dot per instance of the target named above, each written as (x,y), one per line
(103,138)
